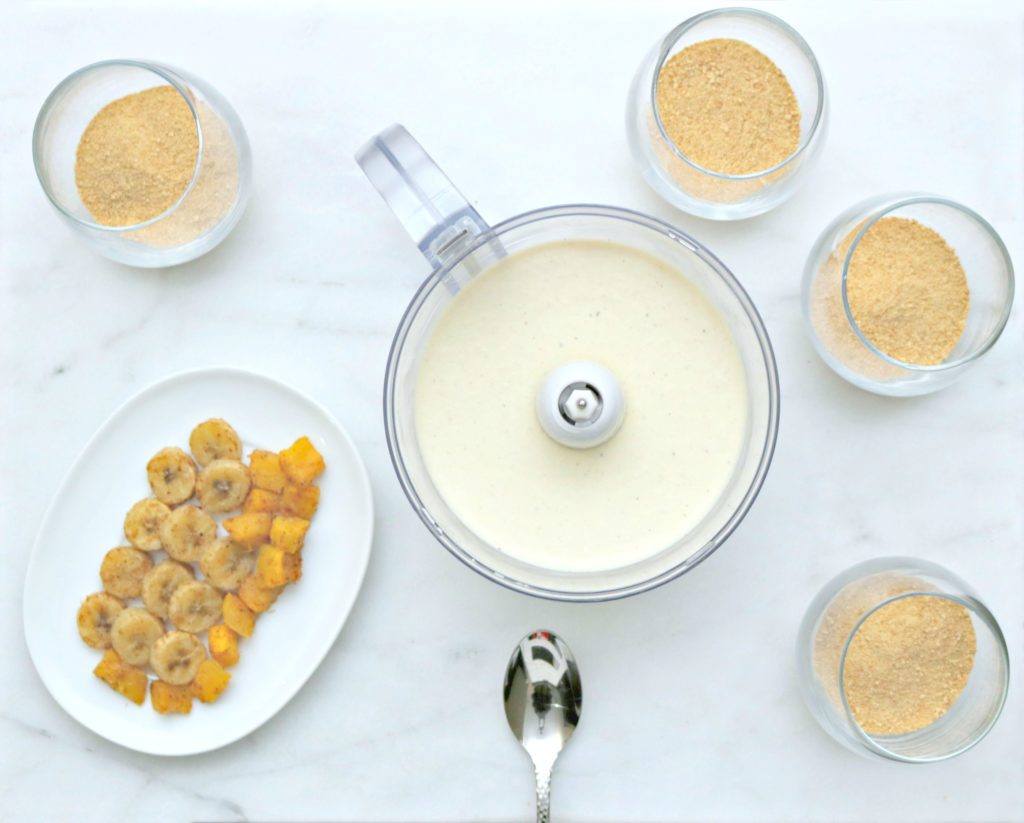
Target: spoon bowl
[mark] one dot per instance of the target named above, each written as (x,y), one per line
(543,698)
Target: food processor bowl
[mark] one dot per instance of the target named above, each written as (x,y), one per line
(459,244)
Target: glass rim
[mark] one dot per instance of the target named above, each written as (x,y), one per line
(673,36)
(161,71)
(974,606)
(901,201)
(434,280)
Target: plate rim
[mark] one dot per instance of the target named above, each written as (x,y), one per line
(286,695)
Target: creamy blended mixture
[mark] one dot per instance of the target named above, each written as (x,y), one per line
(581,509)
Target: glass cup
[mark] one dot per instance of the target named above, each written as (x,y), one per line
(844,346)
(686,184)
(459,244)
(207,210)
(836,615)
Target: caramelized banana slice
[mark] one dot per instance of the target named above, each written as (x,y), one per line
(161,582)
(172,476)
(223,485)
(214,439)
(195,606)
(226,564)
(142,524)
(133,634)
(187,532)
(96,616)
(176,656)
(122,571)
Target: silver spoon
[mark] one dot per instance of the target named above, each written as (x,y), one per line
(543,699)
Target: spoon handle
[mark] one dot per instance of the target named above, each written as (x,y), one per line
(543,795)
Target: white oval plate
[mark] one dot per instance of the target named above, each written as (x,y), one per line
(85,520)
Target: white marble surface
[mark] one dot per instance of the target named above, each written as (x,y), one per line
(691,709)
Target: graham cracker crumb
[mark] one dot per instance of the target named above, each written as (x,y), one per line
(137,156)
(727,107)
(907,291)
(908,663)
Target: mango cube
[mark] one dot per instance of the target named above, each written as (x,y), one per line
(250,529)
(301,462)
(168,699)
(260,500)
(122,677)
(300,501)
(223,645)
(266,472)
(256,596)
(210,682)
(288,533)
(237,616)
(276,567)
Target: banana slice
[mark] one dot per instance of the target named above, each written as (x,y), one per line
(176,656)
(186,532)
(172,475)
(226,564)
(223,485)
(122,571)
(142,524)
(195,606)
(133,634)
(95,617)
(161,582)
(214,439)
